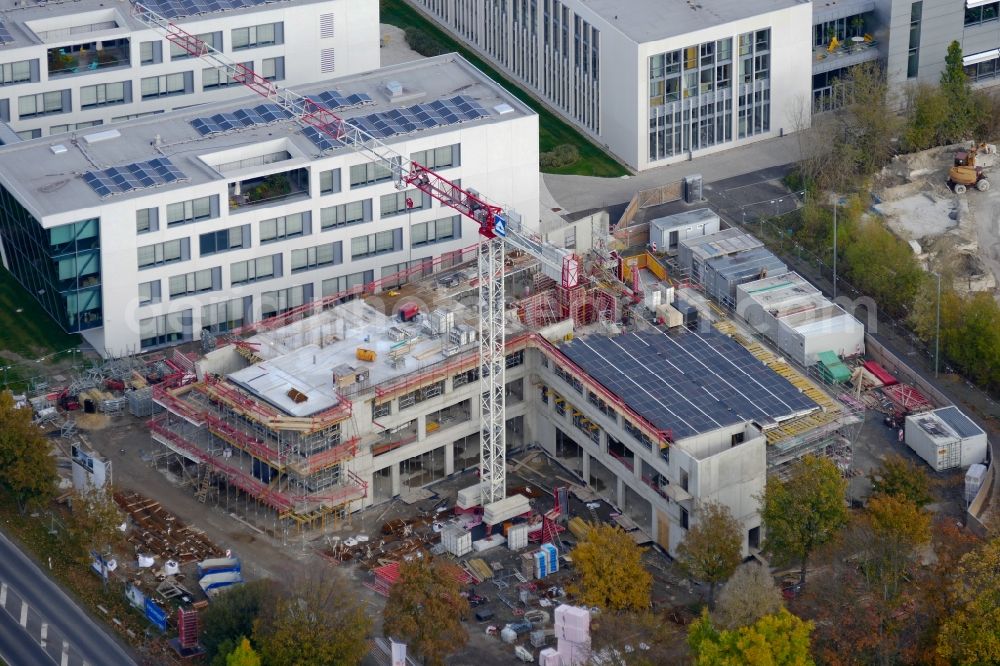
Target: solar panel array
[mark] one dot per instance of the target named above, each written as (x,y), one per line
(5,36)
(407,119)
(690,382)
(173,9)
(135,176)
(263,114)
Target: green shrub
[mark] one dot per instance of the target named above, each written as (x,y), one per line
(423,43)
(561,156)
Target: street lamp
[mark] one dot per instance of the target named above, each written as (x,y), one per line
(834,250)
(937,327)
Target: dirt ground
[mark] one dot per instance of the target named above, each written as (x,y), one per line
(394,47)
(958,234)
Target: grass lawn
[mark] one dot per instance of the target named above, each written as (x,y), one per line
(552,131)
(31,332)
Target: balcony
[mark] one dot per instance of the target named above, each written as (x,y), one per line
(848,53)
(88,57)
(266,190)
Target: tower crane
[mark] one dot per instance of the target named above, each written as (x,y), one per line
(497,226)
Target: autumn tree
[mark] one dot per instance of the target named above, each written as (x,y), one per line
(243,655)
(97,521)
(804,511)
(426,608)
(890,531)
(781,639)
(883,266)
(27,468)
(970,634)
(898,477)
(712,548)
(747,596)
(612,575)
(231,616)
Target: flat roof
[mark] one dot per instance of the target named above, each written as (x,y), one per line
(958,421)
(688,382)
(651,20)
(721,243)
(688,217)
(779,291)
(23,20)
(757,259)
(49,183)
(305,355)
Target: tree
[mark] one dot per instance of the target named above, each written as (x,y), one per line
(898,477)
(781,639)
(883,266)
(27,468)
(635,639)
(747,597)
(97,521)
(969,634)
(926,115)
(243,655)
(313,624)
(425,608)
(231,615)
(612,575)
(804,511)
(890,531)
(957,91)
(713,547)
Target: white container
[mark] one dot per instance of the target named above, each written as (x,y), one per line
(974,481)
(456,541)
(469,497)
(508,635)
(549,657)
(517,536)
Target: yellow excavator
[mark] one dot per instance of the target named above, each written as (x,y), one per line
(965,174)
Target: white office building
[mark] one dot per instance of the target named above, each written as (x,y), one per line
(68,66)
(655,81)
(144,234)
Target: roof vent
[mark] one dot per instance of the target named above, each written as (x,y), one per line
(503,109)
(394,88)
(57,149)
(97,137)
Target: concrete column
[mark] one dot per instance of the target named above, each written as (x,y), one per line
(449,458)
(396,486)
(637,467)
(585,473)
(621,492)
(421,428)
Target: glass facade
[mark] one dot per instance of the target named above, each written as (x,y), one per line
(60,266)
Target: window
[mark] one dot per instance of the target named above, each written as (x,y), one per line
(105,94)
(377,243)
(273,69)
(398,203)
(684,518)
(225,316)
(24,135)
(982,13)
(345,215)
(569,239)
(214,242)
(209,279)
(275,302)
(213,39)
(258,35)
(185,212)
(72,127)
(327,254)
(150,53)
(354,281)
(439,158)
(219,77)
(369,174)
(913,56)
(436,231)
(329,181)
(380,410)
(167,84)
(42,104)
(165,329)
(289,226)
(147,220)
(254,270)
(149,292)
(164,253)
(18,72)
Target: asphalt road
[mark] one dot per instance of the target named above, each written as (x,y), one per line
(88,641)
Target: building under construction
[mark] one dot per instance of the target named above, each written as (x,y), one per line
(365,396)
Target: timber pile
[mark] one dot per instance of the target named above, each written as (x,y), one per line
(156,531)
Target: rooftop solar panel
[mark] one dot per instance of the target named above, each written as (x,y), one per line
(690,382)
(135,176)
(5,36)
(173,9)
(270,112)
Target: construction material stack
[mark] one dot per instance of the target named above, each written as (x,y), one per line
(572,626)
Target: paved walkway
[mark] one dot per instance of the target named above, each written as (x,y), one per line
(578,193)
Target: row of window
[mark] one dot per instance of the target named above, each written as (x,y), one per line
(268,34)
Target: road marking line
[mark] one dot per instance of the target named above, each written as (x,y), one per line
(3,595)
(24,614)
(45,633)
(65,655)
